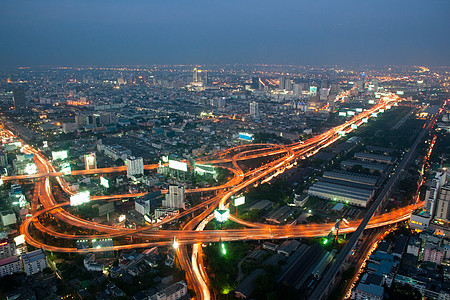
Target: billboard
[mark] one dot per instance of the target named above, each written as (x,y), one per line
(400,93)
(359,110)
(204,169)
(104,182)
(342,133)
(59,154)
(353,126)
(245,136)
(365,120)
(350,113)
(342,114)
(239,201)
(381,110)
(371,101)
(374,115)
(178,165)
(313,90)
(102,243)
(80,198)
(388,107)
(221,215)
(19,240)
(45,144)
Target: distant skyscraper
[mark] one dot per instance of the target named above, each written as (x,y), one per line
(254,109)
(20,103)
(282,81)
(174,197)
(432,193)
(324,92)
(288,84)
(443,205)
(200,76)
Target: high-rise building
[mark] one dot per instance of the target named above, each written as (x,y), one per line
(285,84)
(174,197)
(200,76)
(20,103)
(254,109)
(282,81)
(432,193)
(135,166)
(324,92)
(443,204)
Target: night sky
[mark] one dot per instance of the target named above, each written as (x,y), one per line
(316,32)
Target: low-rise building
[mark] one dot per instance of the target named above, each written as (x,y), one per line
(172,292)
(10,265)
(368,292)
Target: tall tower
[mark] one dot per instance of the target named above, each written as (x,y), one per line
(195,75)
(20,103)
(254,109)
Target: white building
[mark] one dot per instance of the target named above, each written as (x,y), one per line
(10,265)
(90,161)
(8,217)
(173,292)
(419,220)
(175,197)
(432,193)
(135,166)
(91,264)
(254,109)
(443,204)
(142,206)
(34,262)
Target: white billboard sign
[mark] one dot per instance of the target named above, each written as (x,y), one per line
(80,198)
(178,165)
(239,201)
(59,154)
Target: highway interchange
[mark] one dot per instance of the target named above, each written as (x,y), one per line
(283,157)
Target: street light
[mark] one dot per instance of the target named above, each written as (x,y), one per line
(175,243)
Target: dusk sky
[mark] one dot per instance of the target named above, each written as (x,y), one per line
(317,32)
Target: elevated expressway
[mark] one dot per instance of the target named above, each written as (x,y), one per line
(283,157)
